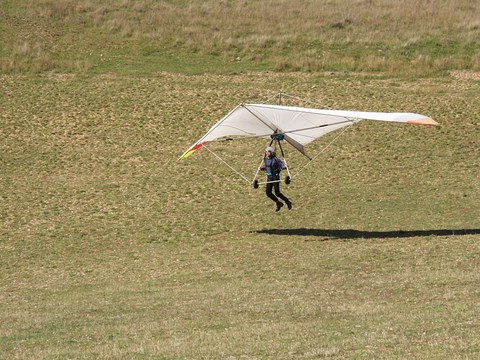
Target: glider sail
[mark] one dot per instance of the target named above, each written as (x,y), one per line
(299,125)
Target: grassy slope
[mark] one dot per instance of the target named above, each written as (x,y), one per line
(110,248)
(211,36)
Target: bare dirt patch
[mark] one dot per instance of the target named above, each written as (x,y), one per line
(465,75)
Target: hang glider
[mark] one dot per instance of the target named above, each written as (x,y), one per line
(298,126)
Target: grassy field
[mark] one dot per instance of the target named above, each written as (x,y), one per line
(111,248)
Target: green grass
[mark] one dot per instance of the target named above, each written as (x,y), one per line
(111,248)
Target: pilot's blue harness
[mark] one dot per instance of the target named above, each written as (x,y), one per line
(273,166)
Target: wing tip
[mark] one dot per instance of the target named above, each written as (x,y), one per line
(424,121)
(191,150)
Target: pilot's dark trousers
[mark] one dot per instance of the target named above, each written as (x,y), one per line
(276,187)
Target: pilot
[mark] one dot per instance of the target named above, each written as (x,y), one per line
(273,166)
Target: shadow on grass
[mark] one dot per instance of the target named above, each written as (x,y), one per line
(358,234)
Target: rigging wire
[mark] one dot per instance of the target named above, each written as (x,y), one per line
(323,150)
(280,95)
(231,168)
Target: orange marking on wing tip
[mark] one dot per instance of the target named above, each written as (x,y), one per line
(427,121)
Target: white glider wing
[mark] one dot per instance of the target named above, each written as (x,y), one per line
(299,125)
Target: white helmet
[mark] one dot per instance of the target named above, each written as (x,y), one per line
(271,149)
